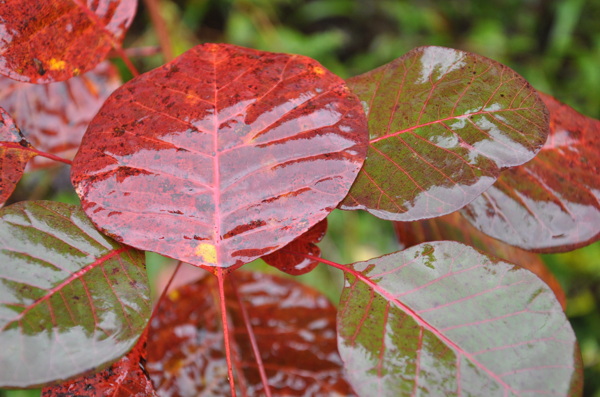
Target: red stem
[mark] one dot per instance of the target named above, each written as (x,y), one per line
(164,291)
(161,29)
(14,145)
(252,337)
(221,279)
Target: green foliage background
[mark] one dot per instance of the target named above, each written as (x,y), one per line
(554,44)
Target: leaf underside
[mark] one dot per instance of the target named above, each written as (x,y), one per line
(443,319)
(71,299)
(222,156)
(552,203)
(442,125)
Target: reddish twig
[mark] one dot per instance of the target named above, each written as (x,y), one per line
(221,279)
(161,29)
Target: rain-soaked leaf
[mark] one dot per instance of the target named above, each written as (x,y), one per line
(14,154)
(125,378)
(552,203)
(222,156)
(42,41)
(454,227)
(287,259)
(442,125)
(71,299)
(442,319)
(294,327)
(53,117)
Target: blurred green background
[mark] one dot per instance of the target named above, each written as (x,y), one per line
(553,44)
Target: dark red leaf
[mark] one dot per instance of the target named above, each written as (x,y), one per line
(125,378)
(53,40)
(14,154)
(72,300)
(287,259)
(294,329)
(552,203)
(454,227)
(222,156)
(443,319)
(442,125)
(54,116)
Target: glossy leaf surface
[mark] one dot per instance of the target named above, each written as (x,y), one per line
(552,203)
(71,299)
(53,117)
(125,378)
(42,41)
(287,259)
(221,156)
(14,155)
(294,328)
(442,319)
(454,227)
(442,124)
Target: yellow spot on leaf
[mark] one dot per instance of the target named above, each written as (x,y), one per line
(319,70)
(76,72)
(207,252)
(173,295)
(55,64)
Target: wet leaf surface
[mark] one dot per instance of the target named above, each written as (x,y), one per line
(71,299)
(125,378)
(442,125)
(455,228)
(442,319)
(294,327)
(552,203)
(52,40)
(222,156)
(54,116)
(14,155)
(287,259)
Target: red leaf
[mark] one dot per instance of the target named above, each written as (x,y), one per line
(125,378)
(552,203)
(53,40)
(454,227)
(443,123)
(222,156)
(287,260)
(294,329)
(14,155)
(54,116)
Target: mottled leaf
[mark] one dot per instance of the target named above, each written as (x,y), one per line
(294,327)
(287,259)
(552,203)
(71,299)
(14,154)
(222,156)
(43,41)
(454,227)
(125,378)
(442,319)
(53,117)
(442,125)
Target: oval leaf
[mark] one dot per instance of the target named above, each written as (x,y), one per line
(294,326)
(87,29)
(552,203)
(221,156)
(442,124)
(71,299)
(14,154)
(442,319)
(54,116)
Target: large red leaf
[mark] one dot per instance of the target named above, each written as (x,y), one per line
(221,156)
(294,327)
(552,203)
(443,319)
(42,41)
(125,378)
(54,116)
(454,227)
(442,125)
(71,299)
(14,154)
